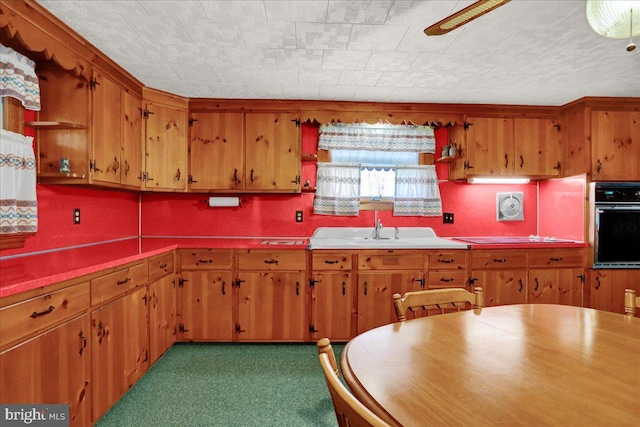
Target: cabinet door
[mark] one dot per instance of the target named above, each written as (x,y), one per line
(272,152)
(538,147)
(165,148)
(490,146)
(271,306)
(131,120)
(607,288)
(120,352)
(331,306)
(162,316)
(107,114)
(502,287)
(556,286)
(615,138)
(216,152)
(375,295)
(54,367)
(206,303)
(66,98)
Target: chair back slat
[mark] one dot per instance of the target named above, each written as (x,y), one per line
(433,300)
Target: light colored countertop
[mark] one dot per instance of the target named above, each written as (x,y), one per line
(25,273)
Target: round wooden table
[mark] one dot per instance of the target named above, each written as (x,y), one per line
(511,365)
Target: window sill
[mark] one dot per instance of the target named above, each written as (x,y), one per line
(368,204)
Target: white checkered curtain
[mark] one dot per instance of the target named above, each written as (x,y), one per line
(377,137)
(18,78)
(337,189)
(417,192)
(18,204)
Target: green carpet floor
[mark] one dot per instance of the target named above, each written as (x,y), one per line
(229,385)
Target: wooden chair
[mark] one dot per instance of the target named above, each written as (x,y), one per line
(437,299)
(350,412)
(631,302)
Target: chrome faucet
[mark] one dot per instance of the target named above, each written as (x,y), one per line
(378,227)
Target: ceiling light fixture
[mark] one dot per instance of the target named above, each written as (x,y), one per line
(615,19)
(460,18)
(495,180)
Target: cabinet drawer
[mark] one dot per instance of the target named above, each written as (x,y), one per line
(36,314)
(499,259)
(390,261)
(446,279)
(281,260)
(556,258)
(206,259)
(331,261)
(160,267)
(448,260)
(110,285)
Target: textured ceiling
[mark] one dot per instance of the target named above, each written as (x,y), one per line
(527,52)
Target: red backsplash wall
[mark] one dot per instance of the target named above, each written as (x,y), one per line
(561,207)
(104,215)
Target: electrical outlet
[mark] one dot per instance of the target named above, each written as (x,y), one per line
(298,216)
(76,216)
(447,218)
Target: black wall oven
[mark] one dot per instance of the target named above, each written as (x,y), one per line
(617,225)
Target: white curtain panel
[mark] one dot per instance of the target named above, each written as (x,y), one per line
(377,137)
(18,78)
(18,204)
(417,191)
(337,189)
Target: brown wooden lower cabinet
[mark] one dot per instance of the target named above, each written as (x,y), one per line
(272,306)
(331,305)
(607,287)
(54,367)
(162,316)
(556,286)
(206,306)
(502,287)
(120,348)
(375,295)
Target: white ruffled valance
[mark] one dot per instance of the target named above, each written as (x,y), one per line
(18,78)
(377,137)
(18,203)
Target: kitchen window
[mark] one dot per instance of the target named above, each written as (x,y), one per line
(376,167)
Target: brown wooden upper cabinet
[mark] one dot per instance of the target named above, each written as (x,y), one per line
(216,152)
(245,152)
(615,137)
(63,126)
(491,146)
(117,130)
(165,141)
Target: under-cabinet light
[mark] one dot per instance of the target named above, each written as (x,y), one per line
(491,180)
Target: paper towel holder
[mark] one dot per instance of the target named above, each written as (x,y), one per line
(221,202)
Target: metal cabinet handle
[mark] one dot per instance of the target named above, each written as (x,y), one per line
(122,282)
(447,280)
(271,261)
(83,342)
(331,262)
(555,259)
(251,175)
(297,288)
(446,261)
(537,284)
(521,162)
(598,283)
(42,313)
(204,261)
(344,288)
(500,260)
(521,285)
(506,160)
(366,288)
(224,292)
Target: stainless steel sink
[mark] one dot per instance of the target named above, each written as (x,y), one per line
(389,238)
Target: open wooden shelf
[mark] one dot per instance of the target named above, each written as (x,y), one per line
(308,189)
(447,159)
(54,125)
(309,157)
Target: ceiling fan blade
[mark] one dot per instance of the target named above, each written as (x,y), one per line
(463,16)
